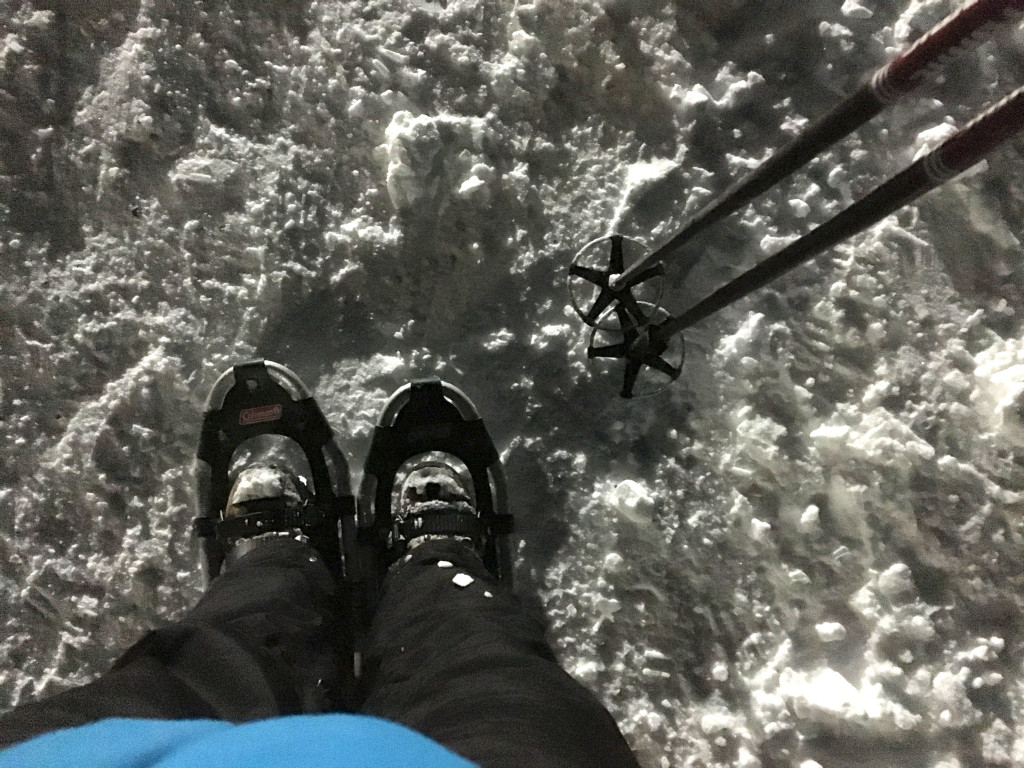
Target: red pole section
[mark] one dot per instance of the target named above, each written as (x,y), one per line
(954,156)
(903,74)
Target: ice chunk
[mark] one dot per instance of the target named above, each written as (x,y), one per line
(522,43)
(659,673)
(826,29)
(759,529)
(810,518)
(472,186)
(999,390)
(739,344)
(696,95)
(587,671)
(1000,746)
(388,365)
(498,340)
(772,243)
(895,581)
(411,144)
(875,333)
(757,438)
(949,698)
(798,576)
(879,437)
(633,501)
(920,628)
(825,696)
(716,722)
(640,177)
(854,10)
(932,138)
(641,174)
(550,335)
(825,690)
(613,561)
(830,631)
(799,207)
(607,607)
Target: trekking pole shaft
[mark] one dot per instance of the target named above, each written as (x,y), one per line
(887,85)
(840,122)
(957,154)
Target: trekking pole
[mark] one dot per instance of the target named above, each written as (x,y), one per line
(886,86)
(645,345)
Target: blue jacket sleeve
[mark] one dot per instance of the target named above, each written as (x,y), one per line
(305,741)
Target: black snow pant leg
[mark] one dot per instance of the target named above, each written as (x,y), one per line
(264,640)
(454,656)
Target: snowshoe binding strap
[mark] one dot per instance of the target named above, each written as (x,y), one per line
(266,515)
(259,398)
(443,523)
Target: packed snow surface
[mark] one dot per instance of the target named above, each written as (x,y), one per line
(805,552)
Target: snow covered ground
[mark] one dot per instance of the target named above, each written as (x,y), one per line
(808,549)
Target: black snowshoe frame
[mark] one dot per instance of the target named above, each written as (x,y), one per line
(265,398)
(422,417)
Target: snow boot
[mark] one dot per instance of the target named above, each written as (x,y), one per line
(435,501)
(265,488)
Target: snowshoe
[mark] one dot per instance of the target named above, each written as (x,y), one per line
(265,398)
(423,418)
